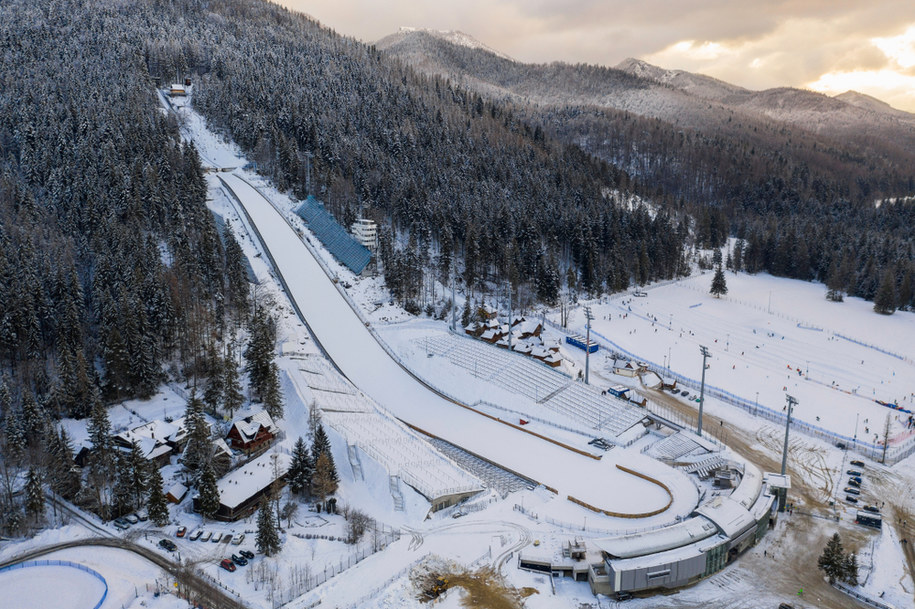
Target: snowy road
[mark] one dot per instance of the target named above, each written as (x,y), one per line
(354,349)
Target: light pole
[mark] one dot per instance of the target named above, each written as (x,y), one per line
(705,355)
(756,405)
(784,492)
(589,317)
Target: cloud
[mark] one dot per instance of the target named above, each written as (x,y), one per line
(753,43)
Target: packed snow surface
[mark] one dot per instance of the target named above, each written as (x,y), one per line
(349,342)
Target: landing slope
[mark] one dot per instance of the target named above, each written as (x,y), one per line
(355,350)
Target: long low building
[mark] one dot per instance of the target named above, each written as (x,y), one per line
(681,554)
(241,490)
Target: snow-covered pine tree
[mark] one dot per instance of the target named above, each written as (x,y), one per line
(157,505)
(139,473)
(885,299)
(301,469)
(214,394)
(34,495)
(719,284)
(232,396)
(268,537)
(832,560)
(850,569)
(208,493)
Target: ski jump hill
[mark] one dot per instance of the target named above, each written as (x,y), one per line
(621,483)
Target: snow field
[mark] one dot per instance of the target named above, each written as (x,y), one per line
(27,587)
(755,352)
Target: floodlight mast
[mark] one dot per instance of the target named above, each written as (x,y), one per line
(589,317)
(791,403)
(705,355)
(783,492)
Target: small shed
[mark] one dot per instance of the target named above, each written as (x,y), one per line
(176,493)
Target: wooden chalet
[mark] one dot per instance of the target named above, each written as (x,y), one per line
(252,434)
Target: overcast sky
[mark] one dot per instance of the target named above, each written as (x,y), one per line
(826,45)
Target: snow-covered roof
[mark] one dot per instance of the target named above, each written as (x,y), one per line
(669,556)
(220,446)
(729,515)
(249,426)
(253,477)
(529,326)
(749,488)
(658,540)
(161,431)
(178,491)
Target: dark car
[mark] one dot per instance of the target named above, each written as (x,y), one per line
(872,508)
(241,561)
(168,544)
(852,491)
(182,531)
(855,482)
(785,606)
(853,472)
(857,463)
(247,554)
(684,392)
(227,564)
(851,499)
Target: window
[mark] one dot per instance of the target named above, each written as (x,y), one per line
(657,574)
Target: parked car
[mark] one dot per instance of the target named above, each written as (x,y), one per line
(853,472)
(785,606)
(852,491)
(241,561)
(168,544)
(457,514)
(684,392)
(854,481)
(217,537)
(143,515)
(196,535)
(872,508)
(182,531)
(132,518)
(239,537)
(227,564)
(247,554)
(857,463)
(121,523)
(206,536)
(851,499)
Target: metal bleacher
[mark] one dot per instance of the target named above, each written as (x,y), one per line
(335,238)
(494,477)
(674,447)
(706,467)
(401,453)
(546,387)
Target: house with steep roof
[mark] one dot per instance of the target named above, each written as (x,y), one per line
(253,433)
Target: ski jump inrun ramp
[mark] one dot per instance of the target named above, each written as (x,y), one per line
(356,352)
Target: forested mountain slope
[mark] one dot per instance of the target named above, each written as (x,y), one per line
(794,173)
(110,264)
(449,171)
(112,275)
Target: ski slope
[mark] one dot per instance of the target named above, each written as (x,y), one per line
(354,349)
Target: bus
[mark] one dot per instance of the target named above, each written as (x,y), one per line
(868,519)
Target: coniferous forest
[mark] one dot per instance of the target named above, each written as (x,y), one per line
(114,279)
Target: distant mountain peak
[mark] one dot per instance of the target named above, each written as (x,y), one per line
(696,84)
(868,102)
(455,37)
